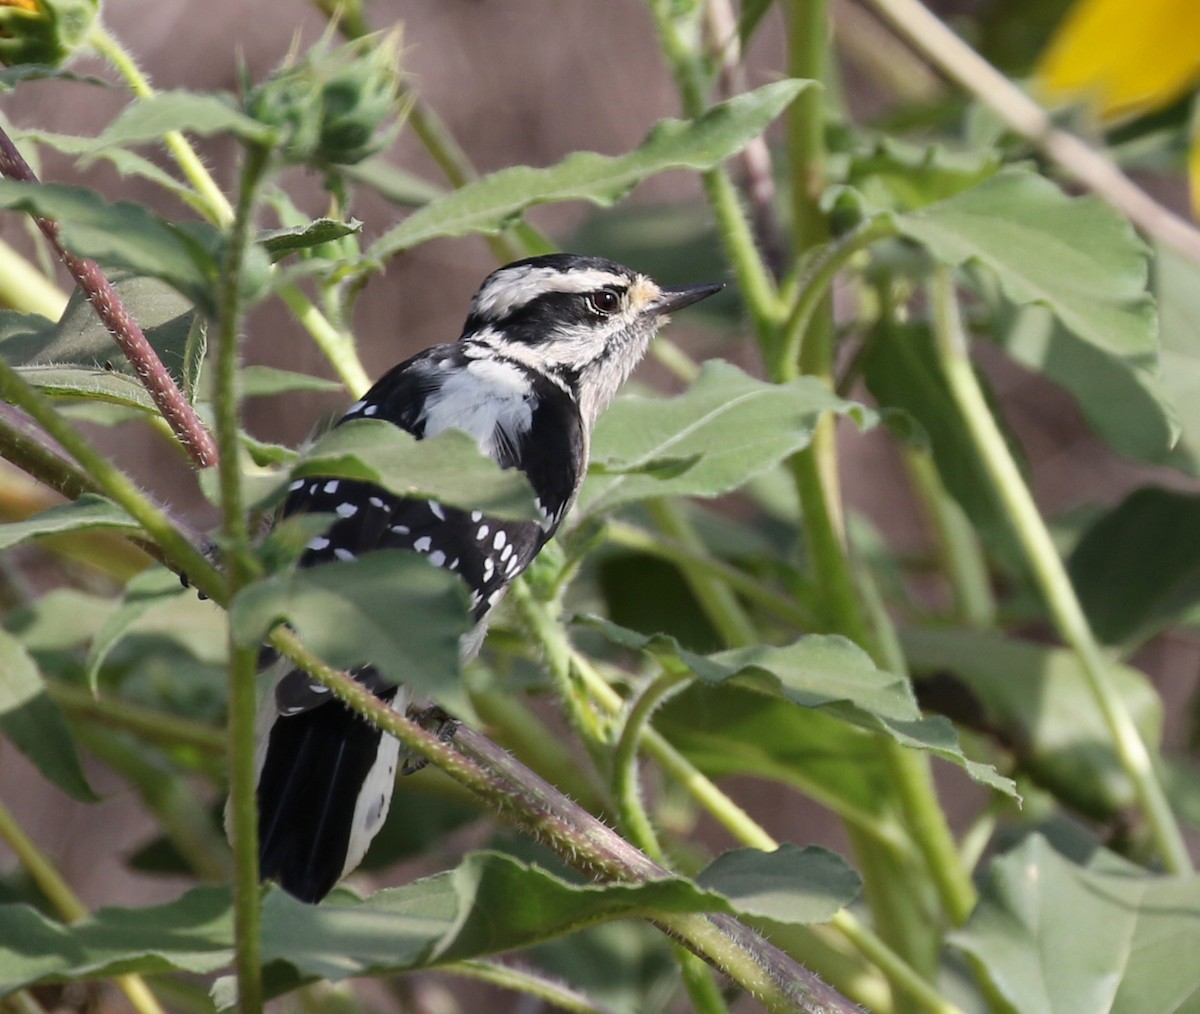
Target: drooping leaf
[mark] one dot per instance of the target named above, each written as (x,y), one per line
(1056,937)
(279,243)
(390,608)
(62,619)
(145,120)
(393,183)
(88,512)
(497,201)
(10,77)
(192,934)
(723,431)
(1035,699)
(33,723)
(448,467)
(1137,568)
(1074,255)
(825,672)
(453,916)
(123,235)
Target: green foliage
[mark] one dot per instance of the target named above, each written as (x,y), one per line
(733,616)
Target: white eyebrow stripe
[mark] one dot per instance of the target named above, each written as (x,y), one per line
(511,288)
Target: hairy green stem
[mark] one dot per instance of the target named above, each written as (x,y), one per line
(210,199)
(337,347)
(635,822)
(67,904)
(240,567)
(1050,574)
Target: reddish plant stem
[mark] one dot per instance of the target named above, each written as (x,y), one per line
(176,410)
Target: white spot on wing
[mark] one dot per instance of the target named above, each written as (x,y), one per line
(319,543)
(435,509)
(422,544)
(331,486)
(342,553)
(346,510)
(499,540)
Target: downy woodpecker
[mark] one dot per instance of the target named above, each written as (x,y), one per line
(547,343)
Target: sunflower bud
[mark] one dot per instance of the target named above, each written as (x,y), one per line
(43,31)
(332,107)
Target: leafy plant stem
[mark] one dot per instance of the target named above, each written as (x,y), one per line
(928,35)
(337,348)
(64,900)
(716,598)
(1050,574)
(521,981)
(812,291)
(240,568)
(578,837)
(213,201)
(700,983)
(753,277)
(29,453)
(116,485)
(808,44)
(109,307)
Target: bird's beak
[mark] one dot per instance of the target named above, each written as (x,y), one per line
(675,297)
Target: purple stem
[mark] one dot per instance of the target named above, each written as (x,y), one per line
(180,416)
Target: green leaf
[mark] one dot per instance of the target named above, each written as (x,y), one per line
(896,174)
(390,609)
(901,370)
(1056,937)
(1036,700)
(1075,256)
(1122,397)
(193,934)
(790,885)
(33,723)
(10,77)
(156,604)
(731,730)
(279,243)
(123,235)
(86,513)
(78,357)
(146,120)
(1137,568)
(449,467)
(497,201)
(818,671)
(261,381)
(453,916)
(1177,286)
(723,431)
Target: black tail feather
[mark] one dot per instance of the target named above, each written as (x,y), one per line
(316,765)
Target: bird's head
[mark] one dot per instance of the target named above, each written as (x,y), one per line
(586,321)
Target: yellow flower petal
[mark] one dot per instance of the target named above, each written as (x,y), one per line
(1126,57)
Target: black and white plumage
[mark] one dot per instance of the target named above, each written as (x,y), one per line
(546,345)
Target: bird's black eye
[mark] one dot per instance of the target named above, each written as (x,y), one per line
(604,301)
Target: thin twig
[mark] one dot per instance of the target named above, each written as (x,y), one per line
(176,410)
